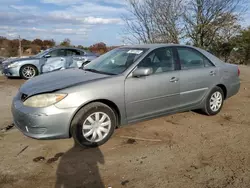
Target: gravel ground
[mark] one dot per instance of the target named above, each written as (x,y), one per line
(195,151)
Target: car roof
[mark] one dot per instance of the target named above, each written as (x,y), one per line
(152,46)
(64,47)
(210,56)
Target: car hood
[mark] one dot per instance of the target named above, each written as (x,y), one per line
(58,80)
(12,60)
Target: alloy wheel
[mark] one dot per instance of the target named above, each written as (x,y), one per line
(29,72)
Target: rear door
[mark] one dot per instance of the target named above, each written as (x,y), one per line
(198,74)
(74,58)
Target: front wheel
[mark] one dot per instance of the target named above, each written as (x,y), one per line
(28,71)
(214,101)
(93,125)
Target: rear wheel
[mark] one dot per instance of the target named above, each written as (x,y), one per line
(28,71)
(214,101)
(93,125)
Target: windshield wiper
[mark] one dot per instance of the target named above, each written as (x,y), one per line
(100,72)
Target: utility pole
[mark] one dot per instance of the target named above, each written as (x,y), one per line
(20,46)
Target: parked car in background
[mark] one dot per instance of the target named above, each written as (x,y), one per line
(1,66)
(2,59)
(52,59)
(126,85)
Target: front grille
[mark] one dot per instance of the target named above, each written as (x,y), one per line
(23,97)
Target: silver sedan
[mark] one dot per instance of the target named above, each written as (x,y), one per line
(126,85)
(52,59)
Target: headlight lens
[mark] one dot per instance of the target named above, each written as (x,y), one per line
(44,100)
(13,65)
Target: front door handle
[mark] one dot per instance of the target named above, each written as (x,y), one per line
(174,79)
(212,73)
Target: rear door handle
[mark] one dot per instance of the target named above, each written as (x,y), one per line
(212,73)
(174,79)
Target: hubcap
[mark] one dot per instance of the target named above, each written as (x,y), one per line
(96,127)
(29,72)
(216,101)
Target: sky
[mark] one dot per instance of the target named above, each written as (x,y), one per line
(84,22)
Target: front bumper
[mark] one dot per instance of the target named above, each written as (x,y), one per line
(10,72)
(42,123)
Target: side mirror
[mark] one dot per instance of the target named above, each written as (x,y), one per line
(144,71)
(47,56)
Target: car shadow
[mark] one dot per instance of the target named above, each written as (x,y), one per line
(199,111)
(78,167)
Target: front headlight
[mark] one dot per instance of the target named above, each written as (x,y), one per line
(44,100)
(13,65)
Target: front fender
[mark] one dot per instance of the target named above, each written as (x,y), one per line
(34,62)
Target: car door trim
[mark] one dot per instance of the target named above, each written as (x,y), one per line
(154,98)
(195,90)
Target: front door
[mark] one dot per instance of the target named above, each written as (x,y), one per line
(197,76)
(55,60)
(157,93)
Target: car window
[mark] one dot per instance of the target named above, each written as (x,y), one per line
(191,59)
(57,53)
(72,52)
(160,60)
(208,63)
(116,61)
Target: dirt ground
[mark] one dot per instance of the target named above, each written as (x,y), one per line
(195,151)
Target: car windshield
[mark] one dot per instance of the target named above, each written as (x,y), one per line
(41,54)
(116,61)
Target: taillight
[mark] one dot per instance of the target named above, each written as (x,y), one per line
(238,71)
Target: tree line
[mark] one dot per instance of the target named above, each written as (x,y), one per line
(10,48)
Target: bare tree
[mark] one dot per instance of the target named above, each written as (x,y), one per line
(153,21)
(167,15)
(206,19)
(224,41)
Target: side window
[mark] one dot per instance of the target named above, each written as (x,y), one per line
(191,59)
(160,60)
(57,53)
(207,63)
(53,53)
(72,52)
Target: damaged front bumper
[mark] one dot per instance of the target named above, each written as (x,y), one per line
(42,123)
(10,72)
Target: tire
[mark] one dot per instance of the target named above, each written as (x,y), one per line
(81,127)
(214,108)
(32,72)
